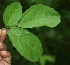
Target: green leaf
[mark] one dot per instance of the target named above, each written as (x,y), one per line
(12,14)
(45,58)
(26,43)
(39,15)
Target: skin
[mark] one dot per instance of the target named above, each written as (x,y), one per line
(5,56)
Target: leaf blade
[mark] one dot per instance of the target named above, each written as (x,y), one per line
(27,44)
(12,14)
(39,15)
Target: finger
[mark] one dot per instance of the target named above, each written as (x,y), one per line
(7,60)
(5,54)
(5,63)
(1,63)
(3,35)
(2,46)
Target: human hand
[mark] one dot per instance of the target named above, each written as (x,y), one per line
(5,56)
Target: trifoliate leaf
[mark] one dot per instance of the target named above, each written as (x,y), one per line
(39,15)
(26,43)
(12,14)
